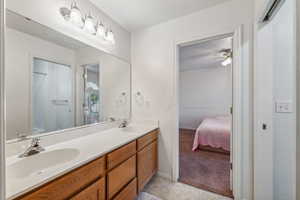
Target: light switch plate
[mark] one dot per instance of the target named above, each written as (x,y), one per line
(284,107)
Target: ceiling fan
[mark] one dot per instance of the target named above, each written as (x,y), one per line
(226,55)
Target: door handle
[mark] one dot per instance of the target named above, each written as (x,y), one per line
(264,126)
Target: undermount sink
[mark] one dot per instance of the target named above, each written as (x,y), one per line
(36,164)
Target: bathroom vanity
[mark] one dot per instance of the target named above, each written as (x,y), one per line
(76,102)
(119,171)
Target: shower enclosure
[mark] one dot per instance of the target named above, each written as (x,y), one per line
(52,96)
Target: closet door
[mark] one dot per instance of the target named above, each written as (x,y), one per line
(263,110)
(63,96)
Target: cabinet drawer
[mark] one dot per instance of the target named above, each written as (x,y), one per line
(69,184)
(129,192)
(94,192)
(147,164)
(147,139)
(120,155)
(120,176)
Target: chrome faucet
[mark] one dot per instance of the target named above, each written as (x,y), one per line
(123,124)
(33,149)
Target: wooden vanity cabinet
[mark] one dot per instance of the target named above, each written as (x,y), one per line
(129,192)
(70,184)
(120,155)
(118,175)
(147,159)
(94,192)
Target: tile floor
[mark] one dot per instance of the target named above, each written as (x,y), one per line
(167,190)
(147,196)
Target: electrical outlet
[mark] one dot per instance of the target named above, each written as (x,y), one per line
(284,107)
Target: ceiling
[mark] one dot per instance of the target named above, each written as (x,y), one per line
(204,54)
(137,14)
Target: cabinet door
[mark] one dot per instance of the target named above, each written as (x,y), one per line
(129,192)
(147,164)
(120,155)
(146,139)
(121,176)
(95,191)
(66,186)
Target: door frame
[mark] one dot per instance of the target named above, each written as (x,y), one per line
(2,101)
(236,34)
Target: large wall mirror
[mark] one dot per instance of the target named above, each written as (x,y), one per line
(54,82)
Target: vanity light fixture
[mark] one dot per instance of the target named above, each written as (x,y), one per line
(88,24)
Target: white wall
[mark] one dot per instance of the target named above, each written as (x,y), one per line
(47,13)
(154,73)
(17,75)
(205,92)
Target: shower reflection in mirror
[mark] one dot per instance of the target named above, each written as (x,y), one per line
(91,104)
(52,96)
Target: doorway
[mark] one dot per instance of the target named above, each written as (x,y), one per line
(205,84)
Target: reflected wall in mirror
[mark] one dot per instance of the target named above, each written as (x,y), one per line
(54,82)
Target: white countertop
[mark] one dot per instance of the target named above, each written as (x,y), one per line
(89,147)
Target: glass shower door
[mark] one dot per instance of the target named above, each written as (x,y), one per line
(52,104)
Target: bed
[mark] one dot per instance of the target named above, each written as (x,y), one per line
(213,134)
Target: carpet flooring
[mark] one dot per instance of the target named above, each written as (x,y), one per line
(203,169)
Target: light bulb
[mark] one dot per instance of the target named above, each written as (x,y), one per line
(75,16)
(89,25)
(101,30)
(227,61)
(110,37)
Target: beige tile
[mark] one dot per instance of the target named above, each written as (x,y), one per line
(167,190)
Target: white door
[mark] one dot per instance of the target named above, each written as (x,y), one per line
(263,112)
(275,125)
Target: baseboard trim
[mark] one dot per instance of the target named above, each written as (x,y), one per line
(164,175)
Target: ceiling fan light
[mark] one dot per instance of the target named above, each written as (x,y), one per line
(75,16)
(227,61)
